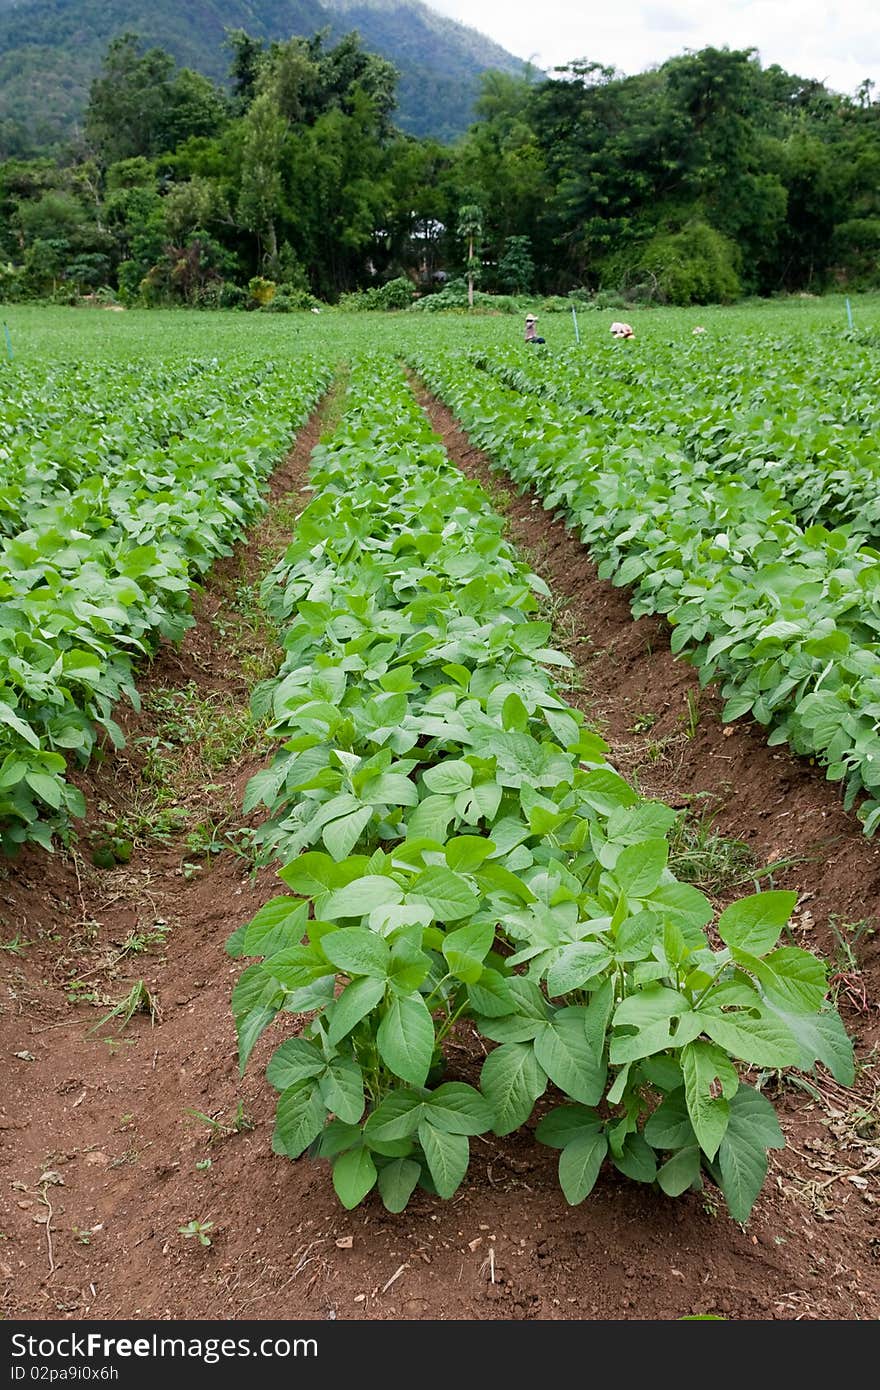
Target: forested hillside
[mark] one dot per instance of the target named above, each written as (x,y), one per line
(51,49)
(705,179)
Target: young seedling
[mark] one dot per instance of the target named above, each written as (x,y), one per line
(198,1230)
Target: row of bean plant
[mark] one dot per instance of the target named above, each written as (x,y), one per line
(787,619)
(91,580)
(797,418)
(460,856)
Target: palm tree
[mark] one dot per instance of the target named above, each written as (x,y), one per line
(470,225)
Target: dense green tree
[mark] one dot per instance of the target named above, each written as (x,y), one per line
(701,179)
(142,104)
(516,269)
(260,195)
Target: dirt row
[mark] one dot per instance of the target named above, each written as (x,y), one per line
(117,1140)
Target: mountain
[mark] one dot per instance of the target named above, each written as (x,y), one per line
(51,49)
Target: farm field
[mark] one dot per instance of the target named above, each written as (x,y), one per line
(585,820)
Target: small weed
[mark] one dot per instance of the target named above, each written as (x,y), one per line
(656,749)
(139,941)
(150,819)
(203,1164)
(643,723)
(846,974)
(709,1202)
(692,719)
(206,839)
(17,946)
(138,1000)
(199,1229)
(79,992)
(239,1123)
(699,855)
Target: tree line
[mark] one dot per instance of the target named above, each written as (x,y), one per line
(699,181)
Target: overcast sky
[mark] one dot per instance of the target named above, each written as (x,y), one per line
(836,41)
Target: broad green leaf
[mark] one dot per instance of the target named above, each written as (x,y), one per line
(754,924)
(396,1117)
(353,1004)
(46,787)
(299,1118)
(390,788)
(465,853)
(448,777)
(9,717)
(636,1160)
(512,1080)
(680,1172)
(361,896)
(297,966)
(340,836)
(579,1165)
(597,1014)
(466,948)
(249,1027)
(636,936)
(449,896)
(640,867)
(295,1060)
(762,1041)
(794,981)
(605,791)
(669,1127)
(312,874)
(336,1137)
(354,1175)
(705,1067)
(575,964)
(563,1124)
(342,1087)
(279,923)
(690,908)
(430,819)
(491,995)
(650,1004)
(408,967)
(742,1157)
(357,951)
(568,1059)
(447,1156)
(405,1038)
(823,1039)
(397,1182)
(458,1109)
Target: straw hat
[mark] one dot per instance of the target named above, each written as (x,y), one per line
(531,318)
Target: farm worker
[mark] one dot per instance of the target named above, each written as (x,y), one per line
(622,330)
(531,335)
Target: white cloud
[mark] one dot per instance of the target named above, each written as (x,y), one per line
(663,20)
(836,41)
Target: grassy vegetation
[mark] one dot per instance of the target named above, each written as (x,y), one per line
(70,334)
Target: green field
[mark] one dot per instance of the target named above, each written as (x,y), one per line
(40,333)
(458,844)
